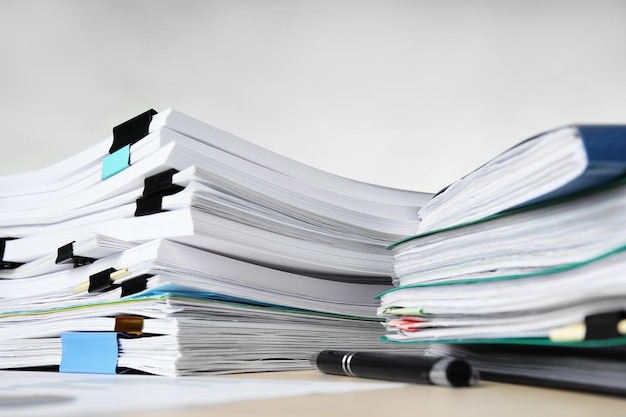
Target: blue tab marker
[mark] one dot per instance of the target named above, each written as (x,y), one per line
(89,352)
(116,162)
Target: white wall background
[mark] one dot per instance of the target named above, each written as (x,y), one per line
(409,94)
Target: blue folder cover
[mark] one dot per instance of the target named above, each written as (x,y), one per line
(605,146)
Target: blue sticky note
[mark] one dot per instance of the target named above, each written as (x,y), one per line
(116,162)
(89,352)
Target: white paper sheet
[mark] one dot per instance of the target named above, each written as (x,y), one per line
(52,394)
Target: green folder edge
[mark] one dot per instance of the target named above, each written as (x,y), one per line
(551,270)
(570,197)
(618,341)
(534,341)
(547,271)
(200,297)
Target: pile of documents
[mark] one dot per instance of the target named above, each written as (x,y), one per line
(529,249)
(174,248)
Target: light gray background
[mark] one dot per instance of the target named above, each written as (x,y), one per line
(409,94)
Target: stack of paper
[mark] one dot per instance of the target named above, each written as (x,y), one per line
(175,248)
(552,164)
(527,249)
(547,237)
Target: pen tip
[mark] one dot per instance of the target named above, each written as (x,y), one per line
(313,360)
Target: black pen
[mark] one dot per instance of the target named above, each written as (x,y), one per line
(445,371)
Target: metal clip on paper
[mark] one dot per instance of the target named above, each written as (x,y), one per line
(124,135)
(106,280)
(131,131)
(7,264)
(155,188)
(598,326)
(100,281)
(132,325)
(65,254)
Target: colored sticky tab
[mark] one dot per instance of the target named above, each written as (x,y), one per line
(116,162)
(89,352)
(129,324)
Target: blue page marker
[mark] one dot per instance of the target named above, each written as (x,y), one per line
(89,352)
(116,162)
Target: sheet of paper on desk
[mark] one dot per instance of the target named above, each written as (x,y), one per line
(56,394)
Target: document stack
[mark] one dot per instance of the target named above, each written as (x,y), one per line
(527,250)
(175,248)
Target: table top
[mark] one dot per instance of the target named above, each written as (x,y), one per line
(486,399)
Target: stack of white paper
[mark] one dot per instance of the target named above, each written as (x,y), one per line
(546,270)
(552,164)
(190,250)
(550,236)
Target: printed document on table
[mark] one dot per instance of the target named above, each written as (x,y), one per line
(56,394)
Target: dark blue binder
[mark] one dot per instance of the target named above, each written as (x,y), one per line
(605,146)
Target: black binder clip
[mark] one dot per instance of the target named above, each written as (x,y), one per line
(148,205)
(101,281)
(603,325)
(131,130)
(155,188)
(65,254)
(161,183)
(135,285)
(7,264)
